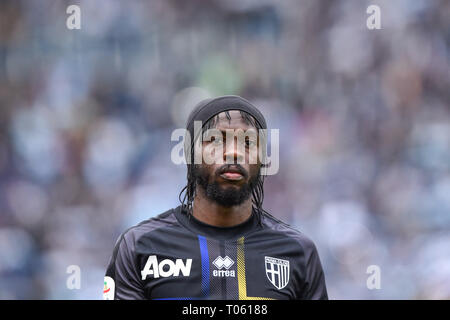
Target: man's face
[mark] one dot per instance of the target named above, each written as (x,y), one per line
(229,169)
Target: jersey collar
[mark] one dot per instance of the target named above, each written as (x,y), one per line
(219,233)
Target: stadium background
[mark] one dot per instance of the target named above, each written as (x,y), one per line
(86,117)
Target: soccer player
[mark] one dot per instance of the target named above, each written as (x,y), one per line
(219,243)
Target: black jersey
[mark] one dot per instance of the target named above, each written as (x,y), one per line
(175,256)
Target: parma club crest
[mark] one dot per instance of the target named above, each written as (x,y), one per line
(277,271)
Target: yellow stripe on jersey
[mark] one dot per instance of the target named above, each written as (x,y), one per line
(242,282)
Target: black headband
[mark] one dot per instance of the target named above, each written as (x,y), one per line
(208,108)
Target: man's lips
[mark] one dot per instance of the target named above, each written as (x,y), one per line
(233,176)
(232,173)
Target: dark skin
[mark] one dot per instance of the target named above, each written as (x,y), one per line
(209,211)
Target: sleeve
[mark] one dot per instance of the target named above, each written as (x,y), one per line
(122,281)
(315,279)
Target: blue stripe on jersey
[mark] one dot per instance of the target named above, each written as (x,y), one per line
(205,266)
(205,286)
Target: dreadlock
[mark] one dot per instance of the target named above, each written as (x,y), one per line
(189,189)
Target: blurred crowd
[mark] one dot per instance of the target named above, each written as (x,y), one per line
(86,118)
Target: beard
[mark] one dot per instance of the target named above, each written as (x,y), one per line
(224,196)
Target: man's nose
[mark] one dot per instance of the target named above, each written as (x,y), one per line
(234,153)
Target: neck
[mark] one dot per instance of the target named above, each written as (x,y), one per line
(212,213)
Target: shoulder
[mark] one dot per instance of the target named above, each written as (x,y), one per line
(282,229)
(162,220)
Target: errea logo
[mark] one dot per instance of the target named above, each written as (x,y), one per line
(166,268)
(221,263)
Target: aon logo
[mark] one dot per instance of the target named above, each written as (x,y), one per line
(166,268)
